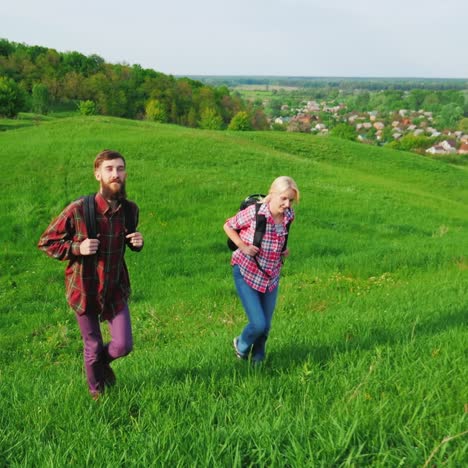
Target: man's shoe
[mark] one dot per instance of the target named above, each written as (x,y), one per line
(96,395)
(238,353)
(108,375)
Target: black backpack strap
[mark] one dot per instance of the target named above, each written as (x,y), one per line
(260,226)
(288,226)
(129,217)
(89,209)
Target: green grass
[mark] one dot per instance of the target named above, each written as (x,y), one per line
(29,119)
(367,359)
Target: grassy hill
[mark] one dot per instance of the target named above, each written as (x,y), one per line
(367,357)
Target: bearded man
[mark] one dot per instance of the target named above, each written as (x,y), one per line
(96,277)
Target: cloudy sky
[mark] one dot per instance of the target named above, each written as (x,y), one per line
(367,38)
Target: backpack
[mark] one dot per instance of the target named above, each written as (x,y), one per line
(260,223)
(89,208)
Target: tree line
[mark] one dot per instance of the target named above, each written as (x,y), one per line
(343,83)
(41,79)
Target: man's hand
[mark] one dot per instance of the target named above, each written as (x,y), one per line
(89,246)
(136,239)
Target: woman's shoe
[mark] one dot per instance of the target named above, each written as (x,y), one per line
(238,353)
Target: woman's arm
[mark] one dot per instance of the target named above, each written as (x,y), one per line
(234,236)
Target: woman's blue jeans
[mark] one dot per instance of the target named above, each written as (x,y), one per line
(259,308)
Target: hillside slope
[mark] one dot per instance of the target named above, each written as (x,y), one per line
(366,355)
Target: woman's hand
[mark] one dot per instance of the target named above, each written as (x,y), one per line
(250,250)
(285,253)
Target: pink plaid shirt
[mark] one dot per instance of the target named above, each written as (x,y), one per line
(269,256)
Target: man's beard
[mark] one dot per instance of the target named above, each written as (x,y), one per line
(109,192)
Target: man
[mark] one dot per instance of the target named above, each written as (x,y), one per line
(96,277)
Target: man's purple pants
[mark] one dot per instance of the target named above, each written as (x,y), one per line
(96,354)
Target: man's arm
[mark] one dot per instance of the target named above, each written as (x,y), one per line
(135,239)
(57,239)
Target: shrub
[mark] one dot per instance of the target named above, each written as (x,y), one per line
(87,107)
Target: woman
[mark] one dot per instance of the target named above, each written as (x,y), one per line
(256,270)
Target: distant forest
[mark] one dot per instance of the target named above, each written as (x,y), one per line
(40,79)
(344,83)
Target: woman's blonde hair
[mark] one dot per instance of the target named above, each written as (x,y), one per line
(280,185)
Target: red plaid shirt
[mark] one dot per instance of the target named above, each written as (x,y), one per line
(94,283)
(269,256)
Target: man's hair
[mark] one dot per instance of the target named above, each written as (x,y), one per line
(107,155)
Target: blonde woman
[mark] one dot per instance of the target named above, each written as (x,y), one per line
(256,270)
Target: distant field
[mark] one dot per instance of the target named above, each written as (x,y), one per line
(263,92)
(260,87)
(367,359)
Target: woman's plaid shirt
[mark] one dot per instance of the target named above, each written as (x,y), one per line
(94,283)
(269,256)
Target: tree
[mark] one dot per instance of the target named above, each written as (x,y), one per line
(412,142)
(155,111)
(415,98)
(449,116)
(40,102)
(362,101)
(75,61)
(6,47)
(431,102)
(463,125)
(192,118)
(73,86)
(210,119)
(344,131)
(377,101)
(259,120)
(274,106)
(11,97)
(298,125)
(387,134)
(240,122)
(119,90)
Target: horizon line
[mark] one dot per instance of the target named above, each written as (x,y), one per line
(322,77)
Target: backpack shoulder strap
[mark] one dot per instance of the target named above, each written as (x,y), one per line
(129,217)
(89,209)
(288,226)
(260,226)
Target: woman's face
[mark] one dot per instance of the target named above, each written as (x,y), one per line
(279,202)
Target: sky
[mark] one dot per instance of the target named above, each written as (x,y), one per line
(323,38)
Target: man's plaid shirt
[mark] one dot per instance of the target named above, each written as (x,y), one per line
(94,283)
(269,256)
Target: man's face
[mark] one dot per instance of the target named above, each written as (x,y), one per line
(111,175)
